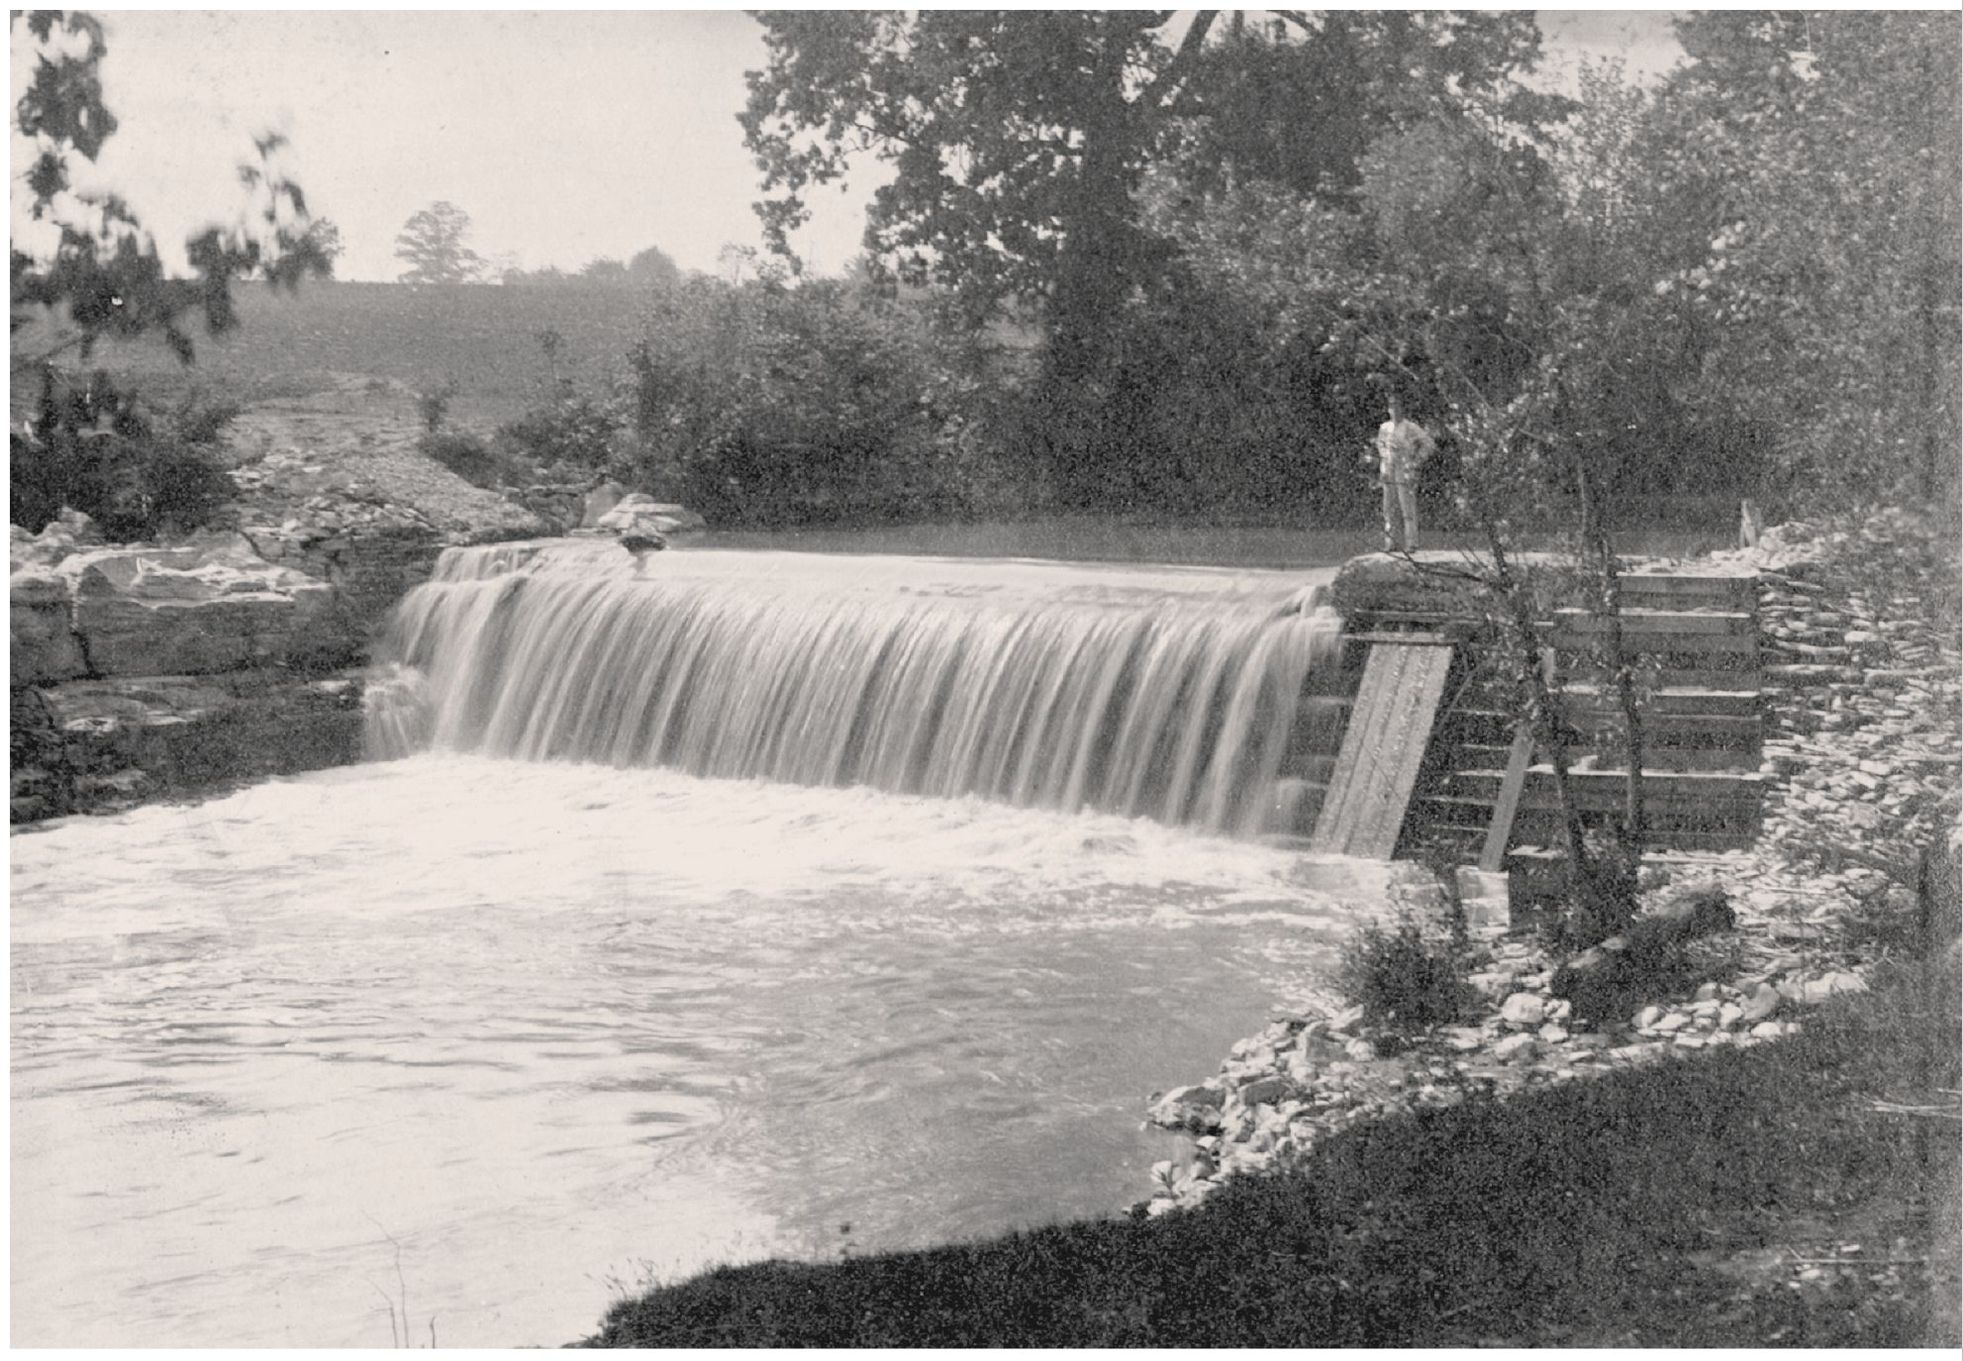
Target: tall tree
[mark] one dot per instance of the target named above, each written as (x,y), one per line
(1815,155)
(654,266)
(1019,141)
(433,243)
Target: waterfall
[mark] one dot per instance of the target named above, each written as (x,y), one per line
(1196,696)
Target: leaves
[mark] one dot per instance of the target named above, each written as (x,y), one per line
(104,268)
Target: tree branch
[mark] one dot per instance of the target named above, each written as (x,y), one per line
(1166,82)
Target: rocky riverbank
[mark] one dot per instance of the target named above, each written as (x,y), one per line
(161,670)
(1862,766)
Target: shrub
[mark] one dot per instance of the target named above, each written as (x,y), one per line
(91,446)
(469,457)
(1400,979)
(434,406)
(575,433)
(768,405)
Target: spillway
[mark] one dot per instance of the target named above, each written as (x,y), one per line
(1194,696)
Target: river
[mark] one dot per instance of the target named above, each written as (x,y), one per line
(483,1044)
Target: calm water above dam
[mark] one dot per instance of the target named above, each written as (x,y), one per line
(531,1029)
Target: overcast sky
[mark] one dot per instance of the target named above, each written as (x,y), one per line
(564,136)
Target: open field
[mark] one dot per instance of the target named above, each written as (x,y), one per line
(287,344)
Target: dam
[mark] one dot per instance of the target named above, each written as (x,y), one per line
(752,904)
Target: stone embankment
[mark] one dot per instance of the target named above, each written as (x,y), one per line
(146,670)
(1862,760)
(141,671)
(1864,686)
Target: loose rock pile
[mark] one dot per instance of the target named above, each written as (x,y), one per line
(1304,1078)
(1863,685)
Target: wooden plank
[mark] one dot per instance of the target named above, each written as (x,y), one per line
(1412,639)
(1699,645)
(1672,700)
(1501,827)
(1383,746)
(1681,584)
(1702,679)
(1639,621)
(1739,760)
(1602,789)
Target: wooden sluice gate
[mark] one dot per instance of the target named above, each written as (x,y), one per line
(1383,747)
(1436,754)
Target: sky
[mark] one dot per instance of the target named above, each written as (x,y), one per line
(565,136)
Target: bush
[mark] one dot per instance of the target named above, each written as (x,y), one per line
(1401,980)
(767,405)
(92,447)
(470,458)
(574,434)
(434,406)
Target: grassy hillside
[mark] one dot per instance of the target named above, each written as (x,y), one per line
(483,337)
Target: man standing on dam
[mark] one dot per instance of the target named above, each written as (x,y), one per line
(1402,448)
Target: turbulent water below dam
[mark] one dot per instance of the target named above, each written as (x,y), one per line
(596,983)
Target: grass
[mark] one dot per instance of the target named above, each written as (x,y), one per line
(484,338)
(1671,1205)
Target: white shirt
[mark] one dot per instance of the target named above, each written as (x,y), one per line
(1402,448)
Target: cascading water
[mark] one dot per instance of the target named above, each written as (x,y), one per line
(1193,696)
(495,1035)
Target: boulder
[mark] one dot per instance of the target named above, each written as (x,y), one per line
(1516,1049)
(1813,991)
(207,605)
(41,642)
(599,501)
(1760,1003)
(65,534)
(638,514)
(1263,1090)
(1524,1010)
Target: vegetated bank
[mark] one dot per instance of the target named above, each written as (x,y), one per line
(1750,1138)
(1657,1206)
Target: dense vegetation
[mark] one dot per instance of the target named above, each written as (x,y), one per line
(1621,1211)
(1173,267)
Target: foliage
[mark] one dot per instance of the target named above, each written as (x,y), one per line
(762,404)
(1402,980)
(1813,161)
(468,456)
(572,435)
(102,270)
(1019,141)
(433,406)
(92,447)
(432,243)
(326,238)
(650,268)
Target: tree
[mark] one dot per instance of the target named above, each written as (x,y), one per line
(1812,160)
(102,273)
(326,238)
(433,244)
(91,444)
(655,267)
(1019,142)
